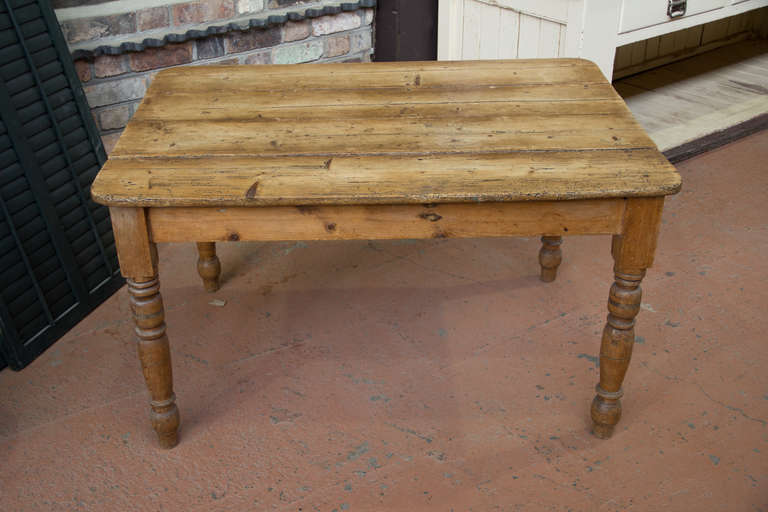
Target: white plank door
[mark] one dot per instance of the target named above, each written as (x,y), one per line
(507,29)
(498,29)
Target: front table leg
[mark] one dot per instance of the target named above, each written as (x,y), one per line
(616,350)
(155,357)
(138,263)
(633,252)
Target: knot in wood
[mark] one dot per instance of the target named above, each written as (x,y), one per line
(430,216)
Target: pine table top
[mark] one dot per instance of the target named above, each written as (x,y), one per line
(382,133)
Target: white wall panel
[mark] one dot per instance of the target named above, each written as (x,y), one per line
(549,39)
(510,34)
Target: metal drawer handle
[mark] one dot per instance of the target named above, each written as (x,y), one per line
(676,8)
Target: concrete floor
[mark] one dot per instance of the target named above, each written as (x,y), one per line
(422,375)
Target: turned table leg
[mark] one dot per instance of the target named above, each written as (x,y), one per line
(138,263)
(155,357)
(208,265)
(550,257)
(633,252)
(616,350)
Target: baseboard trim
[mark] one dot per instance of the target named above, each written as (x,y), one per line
(716,139)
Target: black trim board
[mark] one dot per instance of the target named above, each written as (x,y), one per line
(717,139)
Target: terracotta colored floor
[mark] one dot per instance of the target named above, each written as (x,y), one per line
(415,375)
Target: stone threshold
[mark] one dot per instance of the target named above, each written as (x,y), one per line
(139,42)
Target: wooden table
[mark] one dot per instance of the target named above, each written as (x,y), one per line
(382,151)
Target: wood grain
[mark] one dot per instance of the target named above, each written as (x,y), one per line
(635,247)
(633,250)
(278,223)
(424,74)
(135,251)
(382,133)
(616,350)
(155,356)
(384,179)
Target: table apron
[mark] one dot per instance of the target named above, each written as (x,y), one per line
(359,222)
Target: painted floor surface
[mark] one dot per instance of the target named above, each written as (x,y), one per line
(422,375)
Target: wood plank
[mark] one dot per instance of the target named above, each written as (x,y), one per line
(380,136)
(509,33)
(714,31)
(530,28)
(165,106)
(481,31)
(386,221)
(549,39)
(563,38)
(188,111)
(552,10)
(470,30)
(475,177)
(324,77)
(399,133)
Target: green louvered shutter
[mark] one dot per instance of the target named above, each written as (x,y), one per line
(57,253)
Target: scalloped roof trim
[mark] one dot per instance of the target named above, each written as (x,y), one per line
(242,24)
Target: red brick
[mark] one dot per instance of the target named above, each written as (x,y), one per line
(210,47)
(200,12)
(105,93)
(336,23)
(110,140)
(259,58)
(115,117)
(296,31)
(335,46)
(156,17)
(170,55)
(108,65)
(226,62)
(87,29)
(83,69)
(188,13)
(361,41)
(255,38)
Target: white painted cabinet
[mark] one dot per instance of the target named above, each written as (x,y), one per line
(591,29)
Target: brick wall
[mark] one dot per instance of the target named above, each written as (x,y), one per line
(115,84)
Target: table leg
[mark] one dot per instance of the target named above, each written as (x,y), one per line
(208,265)
(632,253)
(155,356)
(138,264)
(550,257)
(616,350)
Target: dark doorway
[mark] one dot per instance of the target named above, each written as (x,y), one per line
(406,30)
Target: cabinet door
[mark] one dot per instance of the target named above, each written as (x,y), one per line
(637,14)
